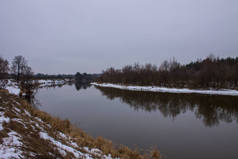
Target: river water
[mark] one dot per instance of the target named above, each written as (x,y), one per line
(181,126)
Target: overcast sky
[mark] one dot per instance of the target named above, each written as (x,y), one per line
(66,36)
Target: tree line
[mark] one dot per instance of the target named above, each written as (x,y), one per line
(84,78)
(211,72)
(19,70)
(57,76)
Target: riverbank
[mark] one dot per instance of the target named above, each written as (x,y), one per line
(14,88)
(168,90)
(26,132)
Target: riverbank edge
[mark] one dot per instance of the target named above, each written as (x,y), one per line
(227,92)
(11,105)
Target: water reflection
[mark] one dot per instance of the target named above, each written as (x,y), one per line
(80,86)
(211,109)
(30,95)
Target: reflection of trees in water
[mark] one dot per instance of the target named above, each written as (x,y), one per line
(79,85)
(30,96)
(29,93)
(212,109)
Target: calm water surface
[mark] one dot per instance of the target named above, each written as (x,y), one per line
(180,126)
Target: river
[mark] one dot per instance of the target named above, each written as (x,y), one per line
(181,126)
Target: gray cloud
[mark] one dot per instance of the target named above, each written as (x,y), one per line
(65,36)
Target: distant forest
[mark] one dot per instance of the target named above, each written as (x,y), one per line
(19,70)
(212,72)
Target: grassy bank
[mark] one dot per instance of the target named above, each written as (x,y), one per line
(26,132)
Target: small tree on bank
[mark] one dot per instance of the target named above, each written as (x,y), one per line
(24,76)
(27,84)
(19,66)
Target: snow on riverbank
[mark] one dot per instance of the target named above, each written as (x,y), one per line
(168,90)
(13,90)
(62,148)
(50,82)
(8,146)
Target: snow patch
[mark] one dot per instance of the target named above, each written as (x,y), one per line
(13,90)
(49,126)
(62,135)
(169,90)
(3,119)
(18,110)
(38,119)
(19,121)
(62,148)
(37,125)
(51,82)
(27,113)
(10,146)
(18,103)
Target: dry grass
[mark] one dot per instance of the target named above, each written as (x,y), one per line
(41,148)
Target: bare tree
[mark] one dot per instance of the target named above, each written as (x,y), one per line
(3,72)
(19,64)
(164,66)
(27,84)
